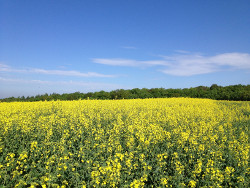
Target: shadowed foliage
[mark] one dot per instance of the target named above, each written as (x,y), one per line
(232,92)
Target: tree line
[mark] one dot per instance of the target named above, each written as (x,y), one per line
(232,92)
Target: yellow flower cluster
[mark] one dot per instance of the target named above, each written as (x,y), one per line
(177,142)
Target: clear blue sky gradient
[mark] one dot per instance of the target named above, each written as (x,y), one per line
(67,46)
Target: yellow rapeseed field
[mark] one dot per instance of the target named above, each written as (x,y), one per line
(177,142)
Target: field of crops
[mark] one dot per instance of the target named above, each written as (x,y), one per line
(177,142)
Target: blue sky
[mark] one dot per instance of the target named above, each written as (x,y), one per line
(67,46)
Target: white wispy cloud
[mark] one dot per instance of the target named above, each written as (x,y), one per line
(69,73)
(18,81)
(193,64)
(6,68)
(187,64)
(44,86)
(129,47)
(13,80)
(128,62)
(182,51)
(88,85)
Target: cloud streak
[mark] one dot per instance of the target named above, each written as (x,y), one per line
(129,47)
(69,73)
(66,83)
(188,64)
(18,81)
(44,86)
(6,68)
(128,62)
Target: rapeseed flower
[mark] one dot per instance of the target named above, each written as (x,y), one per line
(175,142)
